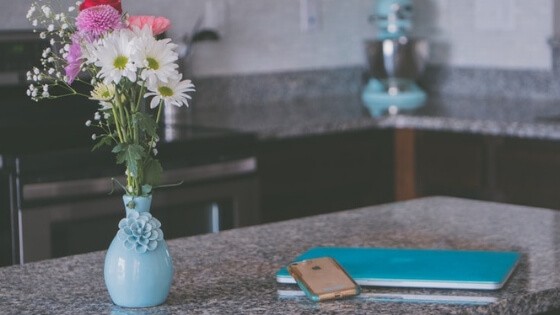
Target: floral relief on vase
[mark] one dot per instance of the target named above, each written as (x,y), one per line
(140,232)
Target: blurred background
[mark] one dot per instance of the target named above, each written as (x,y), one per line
(259,36)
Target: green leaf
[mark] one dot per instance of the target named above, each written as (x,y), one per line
(145,122)
(130,154)
(119,148)
(152,171)
(102,141)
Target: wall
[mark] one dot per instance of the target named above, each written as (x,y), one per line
(508,34)
(265,35)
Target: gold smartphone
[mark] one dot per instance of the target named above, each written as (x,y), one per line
(323,279)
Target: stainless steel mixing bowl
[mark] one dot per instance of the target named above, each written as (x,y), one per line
(396,59)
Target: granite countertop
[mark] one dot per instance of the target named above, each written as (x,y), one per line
(234,271)
(538,119)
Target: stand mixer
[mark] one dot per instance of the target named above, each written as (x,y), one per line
(395,60)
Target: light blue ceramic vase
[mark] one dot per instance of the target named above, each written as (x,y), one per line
(138,267)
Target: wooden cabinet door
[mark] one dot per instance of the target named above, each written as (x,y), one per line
(451,164)
(528,172)
(503,169)
(432,163)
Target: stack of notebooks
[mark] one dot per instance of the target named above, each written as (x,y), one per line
(417,268)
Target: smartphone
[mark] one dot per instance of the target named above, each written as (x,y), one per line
(323,279)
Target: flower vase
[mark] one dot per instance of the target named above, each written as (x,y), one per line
(138,267)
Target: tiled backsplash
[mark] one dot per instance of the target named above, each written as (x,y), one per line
(262,36)
(264,55)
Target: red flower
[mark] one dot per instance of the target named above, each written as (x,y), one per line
(92,3)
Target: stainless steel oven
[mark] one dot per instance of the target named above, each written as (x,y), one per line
(76,216)
(60,204)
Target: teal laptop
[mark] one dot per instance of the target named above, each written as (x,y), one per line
(420,268)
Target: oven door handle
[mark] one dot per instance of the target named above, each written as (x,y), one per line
(92,186)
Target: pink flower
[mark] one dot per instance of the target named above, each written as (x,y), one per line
(158,24)
(95,21)
(74,61)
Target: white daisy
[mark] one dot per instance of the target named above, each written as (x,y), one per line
(174,92)
(115,57)
(156,57)
(104,93)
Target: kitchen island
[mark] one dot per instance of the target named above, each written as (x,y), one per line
(234,271)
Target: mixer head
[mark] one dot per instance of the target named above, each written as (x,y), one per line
(392,17)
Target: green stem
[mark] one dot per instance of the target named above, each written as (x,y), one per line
(117,124)
(158,115)
(140,94)
(84,82)
(120,116)
(129,126)
(159,112)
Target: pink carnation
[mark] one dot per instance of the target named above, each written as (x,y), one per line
(158,24)
(73,61)
(95,21)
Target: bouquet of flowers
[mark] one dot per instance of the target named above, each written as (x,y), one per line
(124,65)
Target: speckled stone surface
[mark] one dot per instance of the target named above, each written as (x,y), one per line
(539,119)
(233,272)
(518,103)
(481,82)
(238,90)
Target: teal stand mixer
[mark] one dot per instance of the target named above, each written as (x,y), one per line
(395,60)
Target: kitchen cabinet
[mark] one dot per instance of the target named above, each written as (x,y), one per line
(317,174)
(452,164)
(6,235)
(504,169)
(528,172)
